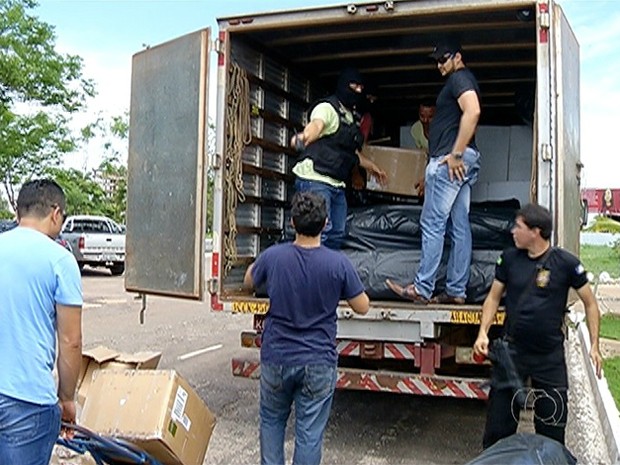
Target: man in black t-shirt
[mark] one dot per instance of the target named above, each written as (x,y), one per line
(536,278)
(454,162)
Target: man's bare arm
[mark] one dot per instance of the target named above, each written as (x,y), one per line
(248,281)
(593,318)
(470,106)
(371,166)
(489,309)
(360,303)
(69,323)
(311,133)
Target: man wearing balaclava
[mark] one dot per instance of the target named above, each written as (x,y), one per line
(330,148)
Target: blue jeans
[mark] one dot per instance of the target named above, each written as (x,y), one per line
(336,203)
(311,388)
(27,431)
(446,203)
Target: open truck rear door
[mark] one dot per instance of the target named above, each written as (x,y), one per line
(166,166)
(566,56)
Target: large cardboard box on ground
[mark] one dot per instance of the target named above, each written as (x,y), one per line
(155,409)
(404,167)
(102,357)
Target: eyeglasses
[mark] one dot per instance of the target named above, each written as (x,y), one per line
(442,60)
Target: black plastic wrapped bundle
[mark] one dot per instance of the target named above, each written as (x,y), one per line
(374,267)
(398,227)
(384,241)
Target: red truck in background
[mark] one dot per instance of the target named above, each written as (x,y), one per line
(602,201)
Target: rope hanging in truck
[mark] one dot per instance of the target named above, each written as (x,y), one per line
(238,135)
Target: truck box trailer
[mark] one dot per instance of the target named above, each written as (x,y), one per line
(270,68)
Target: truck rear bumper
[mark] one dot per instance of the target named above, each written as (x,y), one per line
(389,381)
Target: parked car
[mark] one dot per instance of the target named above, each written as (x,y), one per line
(96,241)
(7,225)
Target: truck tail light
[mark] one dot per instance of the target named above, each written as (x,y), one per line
(81,243)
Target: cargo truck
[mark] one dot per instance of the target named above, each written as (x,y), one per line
(271,67)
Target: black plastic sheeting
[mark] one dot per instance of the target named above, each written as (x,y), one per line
(525,449)
(384,241)
(398,227)
(374,267)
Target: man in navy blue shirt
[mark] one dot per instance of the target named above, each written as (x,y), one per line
(305,281)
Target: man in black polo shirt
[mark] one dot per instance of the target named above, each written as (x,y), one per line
(454,162)
(536,278)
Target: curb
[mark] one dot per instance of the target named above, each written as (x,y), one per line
(605,404)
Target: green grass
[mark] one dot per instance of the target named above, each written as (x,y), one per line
(604,224)
(610,329)
(610,326)
(599,258)
(612,373)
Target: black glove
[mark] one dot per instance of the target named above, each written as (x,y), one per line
(299,144)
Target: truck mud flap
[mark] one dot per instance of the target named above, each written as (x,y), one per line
(385,381)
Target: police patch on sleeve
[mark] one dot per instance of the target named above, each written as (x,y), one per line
(499,261)
(580,269)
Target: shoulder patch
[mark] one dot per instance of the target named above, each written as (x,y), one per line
(580,269)
(499,261)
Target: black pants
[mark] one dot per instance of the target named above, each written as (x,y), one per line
(548,394)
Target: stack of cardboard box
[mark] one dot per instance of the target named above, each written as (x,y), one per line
(123,396)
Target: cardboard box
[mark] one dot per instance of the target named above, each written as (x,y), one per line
(104,358)
(156,410)
(404,167)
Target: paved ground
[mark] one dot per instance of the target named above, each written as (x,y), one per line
(365,427)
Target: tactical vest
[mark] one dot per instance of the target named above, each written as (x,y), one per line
(335,155)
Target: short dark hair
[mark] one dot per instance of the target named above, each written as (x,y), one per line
(37,197)
(309,213)
(536,216)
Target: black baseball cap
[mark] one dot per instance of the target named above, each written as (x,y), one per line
(445,47)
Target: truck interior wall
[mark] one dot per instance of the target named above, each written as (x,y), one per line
(502,55)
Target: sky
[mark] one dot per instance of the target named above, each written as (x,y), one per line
(106,33)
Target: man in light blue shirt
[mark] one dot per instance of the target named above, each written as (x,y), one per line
(40,300)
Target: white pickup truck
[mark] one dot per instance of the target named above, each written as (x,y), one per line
(96,241)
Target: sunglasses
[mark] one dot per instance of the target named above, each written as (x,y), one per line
(64,213)
(442,60)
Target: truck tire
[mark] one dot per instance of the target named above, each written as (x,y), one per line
(117,269)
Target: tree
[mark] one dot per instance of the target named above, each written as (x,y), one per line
(5,211)
(39,89)
(84,196)
(114,175)
(112,133)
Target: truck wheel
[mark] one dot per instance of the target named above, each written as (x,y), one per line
(117,269)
